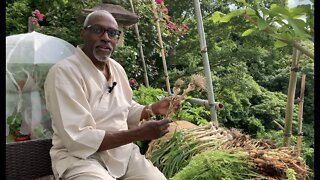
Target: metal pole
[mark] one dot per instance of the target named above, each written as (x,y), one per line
(146,81)
(205,61)
(205,103)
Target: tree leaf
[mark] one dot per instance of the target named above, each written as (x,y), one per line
(298,25)
(276,10)
(237,12)
(232,14)
(262,24)
(264,11)
(283,36)
(299,11)
(248,31)
(226,18)
(279,44)
(241,1)
(215,17)
(250,11)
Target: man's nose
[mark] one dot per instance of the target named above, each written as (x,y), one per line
(105,36)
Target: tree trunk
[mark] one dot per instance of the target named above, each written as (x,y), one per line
(31,25)
(163,56)
(290,97)
(146,81)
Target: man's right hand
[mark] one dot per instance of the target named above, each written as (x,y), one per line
(146,131)
(154,129)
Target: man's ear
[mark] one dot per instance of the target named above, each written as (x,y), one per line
(82,32)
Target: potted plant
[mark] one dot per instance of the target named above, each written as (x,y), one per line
(14,121)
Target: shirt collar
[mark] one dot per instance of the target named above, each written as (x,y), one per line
(84,56)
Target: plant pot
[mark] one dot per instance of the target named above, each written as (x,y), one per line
(22,137)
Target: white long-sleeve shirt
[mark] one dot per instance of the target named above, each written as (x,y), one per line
(82,110)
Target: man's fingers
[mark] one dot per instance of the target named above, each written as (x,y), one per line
(165,132)
(177,106)
(164,121)
(164,124)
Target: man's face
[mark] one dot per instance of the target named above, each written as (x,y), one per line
(100,37)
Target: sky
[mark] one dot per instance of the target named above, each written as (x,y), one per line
(293,3)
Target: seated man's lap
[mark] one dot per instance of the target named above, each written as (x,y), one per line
(87,169)
(139,168)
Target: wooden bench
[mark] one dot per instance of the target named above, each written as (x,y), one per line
(29,160)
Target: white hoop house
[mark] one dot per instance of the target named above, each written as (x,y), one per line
(28,59)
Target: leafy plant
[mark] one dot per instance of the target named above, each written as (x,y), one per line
(127,57)
(14,121)
(218,164)
(198,115)
(145,95)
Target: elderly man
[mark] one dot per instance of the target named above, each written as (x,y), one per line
(94,118)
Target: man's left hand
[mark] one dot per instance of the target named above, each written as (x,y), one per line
(162,106)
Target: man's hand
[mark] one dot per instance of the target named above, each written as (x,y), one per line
(162,106)
(146,131)
(154,129)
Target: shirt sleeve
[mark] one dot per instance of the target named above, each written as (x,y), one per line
(70,111)
(134,114)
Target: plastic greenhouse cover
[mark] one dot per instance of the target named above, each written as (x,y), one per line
(29,56)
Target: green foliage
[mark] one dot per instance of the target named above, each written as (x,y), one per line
(291,174)
(289,26)
(235,87)
(254,125)
(171,158)
(195,114)
(149,38)
(308,155)
(64,33)
(17,13)
(274,135)
(270,106)
(308,134)
(149,95)
(307,68)
(218,164)
(248,31)
(127,57)
(64,18)
(14,121)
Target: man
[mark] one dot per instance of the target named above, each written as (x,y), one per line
(94,118)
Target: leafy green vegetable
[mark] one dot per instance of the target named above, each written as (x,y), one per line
(218,164)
